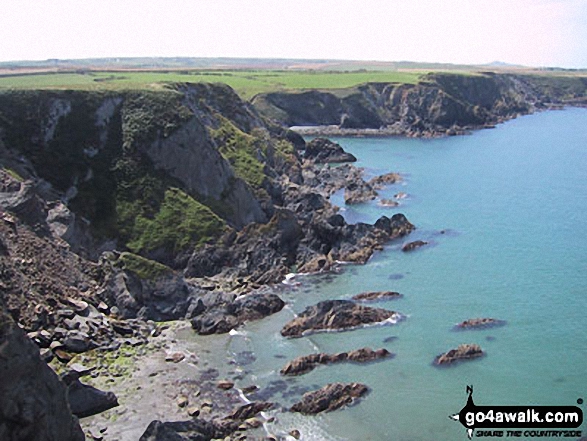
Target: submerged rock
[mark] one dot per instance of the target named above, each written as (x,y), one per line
(377,295)
(462,352)
(413,245)
(306,363)
(330,397)
(480,323)
(336,315)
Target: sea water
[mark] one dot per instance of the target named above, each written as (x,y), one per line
(505,215)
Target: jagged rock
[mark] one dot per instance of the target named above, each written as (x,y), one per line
(462,352)
(33,403)
(410,246)
(377,295)
(358,192)
(249,410)
(322,150)
(306,363)
(86,400)
(330,397)
(480,323)
(335,315)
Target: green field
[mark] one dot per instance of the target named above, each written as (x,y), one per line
(247,83)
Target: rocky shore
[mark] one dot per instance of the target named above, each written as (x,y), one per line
(126,217)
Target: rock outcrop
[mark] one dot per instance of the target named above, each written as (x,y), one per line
(223,316)
(33,402)
(461,353)
(336,315)
(330,397)
(307,363)
(322,150)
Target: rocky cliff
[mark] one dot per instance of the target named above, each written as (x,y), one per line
(441,103)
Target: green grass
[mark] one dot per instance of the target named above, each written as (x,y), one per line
(240,150)
(146,269)
(180,223)
(246,83)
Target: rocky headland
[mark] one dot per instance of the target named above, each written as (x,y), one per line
(441,104)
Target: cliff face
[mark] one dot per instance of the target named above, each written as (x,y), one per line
(439,104)
(126,163)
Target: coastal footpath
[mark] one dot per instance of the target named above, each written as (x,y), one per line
(120,210)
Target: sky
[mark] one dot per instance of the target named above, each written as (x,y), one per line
(527,32)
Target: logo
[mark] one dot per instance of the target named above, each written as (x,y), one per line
(475,417)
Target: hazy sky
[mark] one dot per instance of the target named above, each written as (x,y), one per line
(529,32)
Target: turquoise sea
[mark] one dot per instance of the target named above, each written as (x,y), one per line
(512,202)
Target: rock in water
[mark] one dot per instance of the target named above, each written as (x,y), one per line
(330,397)
(377,295)
(306,363)
(335,315)
(463,352)
(33,403)
(249,410)
(480,323)
(413,245)
(322,150)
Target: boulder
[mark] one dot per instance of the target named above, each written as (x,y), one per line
(462,352)
(330,397)
(336,315)
(86,400)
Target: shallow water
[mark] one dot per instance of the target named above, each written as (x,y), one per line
(512,203)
